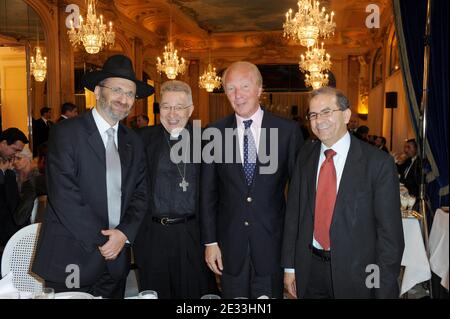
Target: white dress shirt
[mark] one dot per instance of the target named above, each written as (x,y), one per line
(409,167)
(341,148)
(103,126)
(255,128)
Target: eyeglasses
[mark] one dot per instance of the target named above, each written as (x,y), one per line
(324,114)
(167,108)
(119,92)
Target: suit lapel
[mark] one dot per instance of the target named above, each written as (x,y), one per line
(125,150)
(348,186)
(237,166)
(264,143)
(311,168)
(154,151)
(95,141)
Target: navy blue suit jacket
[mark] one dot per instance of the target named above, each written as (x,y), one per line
(238,216)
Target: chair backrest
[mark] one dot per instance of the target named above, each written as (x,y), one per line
(18,256)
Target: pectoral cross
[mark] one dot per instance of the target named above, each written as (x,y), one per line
(184,185)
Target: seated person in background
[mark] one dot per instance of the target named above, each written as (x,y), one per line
(380,142)
(142,120)
(410,170)
(362,133)
(12,141)
(31,184)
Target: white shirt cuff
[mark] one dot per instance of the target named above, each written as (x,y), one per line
(211,244)
(289,270)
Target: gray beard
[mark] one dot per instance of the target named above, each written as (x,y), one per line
(105,108)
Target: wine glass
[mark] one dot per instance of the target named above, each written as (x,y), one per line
(404,202)
(411,202)
(46,293)
(210,296)
(148,294)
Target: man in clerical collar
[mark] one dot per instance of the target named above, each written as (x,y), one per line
(168,252)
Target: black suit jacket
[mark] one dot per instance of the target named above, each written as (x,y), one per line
(227,204)
(412,179)
(366,227)
(40,133)
(77,201)
(9,199)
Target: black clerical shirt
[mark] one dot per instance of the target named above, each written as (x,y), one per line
(169,199)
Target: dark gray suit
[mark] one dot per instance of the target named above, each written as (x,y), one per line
(77,201)
(366,227)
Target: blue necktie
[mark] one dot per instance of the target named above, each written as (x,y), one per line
(249,153)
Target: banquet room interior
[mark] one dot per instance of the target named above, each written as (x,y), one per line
(378,52)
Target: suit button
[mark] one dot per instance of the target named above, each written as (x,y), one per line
(249,199)
(246,223)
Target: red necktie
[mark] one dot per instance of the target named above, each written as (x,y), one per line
(325,200)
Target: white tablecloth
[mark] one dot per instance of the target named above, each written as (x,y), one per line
(417,267)
(439,246)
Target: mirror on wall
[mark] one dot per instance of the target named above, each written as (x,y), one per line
(23,86)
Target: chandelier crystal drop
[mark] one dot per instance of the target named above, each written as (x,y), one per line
(93,33)
(38,66)
(309,23)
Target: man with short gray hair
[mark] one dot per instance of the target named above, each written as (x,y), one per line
(168,250)
(242,208)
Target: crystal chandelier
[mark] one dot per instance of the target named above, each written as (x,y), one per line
(209,79)
(316,80)
(171,65)
(38,65)
(93,33)
(308,23)
(316,62)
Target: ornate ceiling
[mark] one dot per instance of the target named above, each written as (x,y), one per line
(228,27)
(235,23)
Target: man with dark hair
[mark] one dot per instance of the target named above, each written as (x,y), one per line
(410,173)
(12,142)
(362,133)
(142,120)
(380,142)
(41,128)
(68,110)
(343,220)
